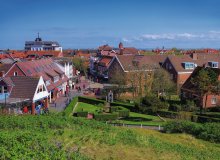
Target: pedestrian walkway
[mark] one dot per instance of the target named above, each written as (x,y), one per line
(60,103)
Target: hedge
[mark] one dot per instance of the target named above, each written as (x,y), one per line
(131,107)
(207,131)
(203,119)
(168,114)
(90,100)
(69,109)
(210,114)
(106,117)
(82,114)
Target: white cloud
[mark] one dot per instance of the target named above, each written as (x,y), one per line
(126,40)
(211,35)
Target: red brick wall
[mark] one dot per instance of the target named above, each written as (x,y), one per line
(208,103)
(14,69)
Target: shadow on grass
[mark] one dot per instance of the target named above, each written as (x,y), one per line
(136,119)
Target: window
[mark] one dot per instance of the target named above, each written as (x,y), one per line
(213,64)
(15,73)
(214,100)
(5,89)
(189,65)
(41,88)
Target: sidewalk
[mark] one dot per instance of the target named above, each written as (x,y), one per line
(61,102)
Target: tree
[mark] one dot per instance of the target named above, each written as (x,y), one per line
(80,64)
(118,78)
(162,83)
(205,82)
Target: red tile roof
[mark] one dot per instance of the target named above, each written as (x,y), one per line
(105,61)
(45,53)
(129,62)
(200,59)
(105,48)
(24,87)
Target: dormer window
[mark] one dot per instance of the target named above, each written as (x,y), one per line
(188,65)
(213,64)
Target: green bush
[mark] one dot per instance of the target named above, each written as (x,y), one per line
(131,107)
(69,109)
(113,109)
(106,117)
(90,100)
(82,114)
(175,107)
(204,119)
(167,114)
(123,112)
(207,131)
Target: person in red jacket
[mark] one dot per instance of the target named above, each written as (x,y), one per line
(25,109)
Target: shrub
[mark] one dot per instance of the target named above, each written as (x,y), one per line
(131,107)
(90,100)
(167,114)
(69,109)
(208,131)
(175,107)
(185,115)
(106,117)
(113,109)
(203,119)
(189,106)
(123,112)
(82,114)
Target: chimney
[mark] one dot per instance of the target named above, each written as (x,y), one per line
(194,56)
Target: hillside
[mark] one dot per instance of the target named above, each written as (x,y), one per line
(58,137)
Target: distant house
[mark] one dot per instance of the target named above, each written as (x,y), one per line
(181,67)
(40,45)
(190,92)
(134,68)
(23,89)
(54,78)
(103,66)
(106,50)
(66,65)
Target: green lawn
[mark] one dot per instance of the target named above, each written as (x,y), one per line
(134,118)
(144,119)
(87,107)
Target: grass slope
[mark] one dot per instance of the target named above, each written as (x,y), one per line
(87,107)
(62,137)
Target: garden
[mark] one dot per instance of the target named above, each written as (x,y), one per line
(118,113)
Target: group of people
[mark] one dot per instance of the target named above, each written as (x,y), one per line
(41,109)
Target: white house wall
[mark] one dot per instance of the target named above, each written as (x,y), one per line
(43,94)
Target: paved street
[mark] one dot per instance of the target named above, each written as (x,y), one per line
(61,102)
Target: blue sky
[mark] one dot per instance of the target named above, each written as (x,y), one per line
(91,23)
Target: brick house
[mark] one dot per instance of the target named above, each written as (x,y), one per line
(17,89)
(189,91)
(102,66)
(181,67)
(55,79)
(135,69)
